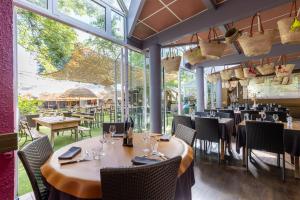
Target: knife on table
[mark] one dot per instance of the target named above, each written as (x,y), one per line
(74,161)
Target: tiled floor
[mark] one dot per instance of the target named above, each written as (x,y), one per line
(231,180)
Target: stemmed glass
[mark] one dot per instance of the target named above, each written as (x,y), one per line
(111,132)
(263,116)
(146,139)
(275,117)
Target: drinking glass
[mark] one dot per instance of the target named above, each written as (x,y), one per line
(275,109)
(112,131)
(246,116)
(102,141)
(154,146)
(146,138)
(275,117)
(263,116)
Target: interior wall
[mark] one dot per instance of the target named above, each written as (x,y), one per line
(6,97)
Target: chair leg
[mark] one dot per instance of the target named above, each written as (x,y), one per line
(283,167)
(278,159)
(219,156)
(247,164)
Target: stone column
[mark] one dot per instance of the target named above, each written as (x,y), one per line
(200,88)
(155,89)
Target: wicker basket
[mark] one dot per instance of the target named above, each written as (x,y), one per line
(266,68)
(249,72)
(171,64)
(287,80)
(226,74)
(244,83)
(213,77)
(259,80)
(287,35)
(259,43)
(238,72)
(213,48)
(276,80)
(283,69)
(225,84)
(194,55)
(232,35)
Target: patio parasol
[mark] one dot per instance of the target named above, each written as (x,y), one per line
(78,94)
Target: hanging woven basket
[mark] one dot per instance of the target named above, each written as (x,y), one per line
(239,73)
(226,74)
(213,77)
(213,48)
(172,62)
(283,69)
(265,67)
(287,80)
(194,55)
(249,72)
(289,27)
(244,83)
(258,43)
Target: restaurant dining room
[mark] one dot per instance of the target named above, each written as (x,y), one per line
(149,99)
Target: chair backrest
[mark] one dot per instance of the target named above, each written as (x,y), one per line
(231,112)
(29,120)
(120,127)
(155,181)
(207,129)
(33,156)
(186,134)
(182,119)
(250,112)
(281,115)
(26,129)
(202,114)
(267,136)
(223,115)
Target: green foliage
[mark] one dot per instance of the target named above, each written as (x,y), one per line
(136,59)
(51,42)
(28,106)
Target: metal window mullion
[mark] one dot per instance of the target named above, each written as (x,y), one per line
(108,20)
(145,94)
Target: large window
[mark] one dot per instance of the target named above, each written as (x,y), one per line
(84,10)
(117,25)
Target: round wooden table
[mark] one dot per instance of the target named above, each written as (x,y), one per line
(82,180)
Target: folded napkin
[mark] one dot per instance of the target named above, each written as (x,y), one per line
(71,153)
(165,138)
(138,160)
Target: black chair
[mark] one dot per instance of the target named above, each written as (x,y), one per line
(250,112)
(30,121)
(120,127)
(223,115)
(155,181)
(231,112)
(186,134)
(181,119)
(202,114)
(265,136)
(208,130)
(33,156)
(281,115)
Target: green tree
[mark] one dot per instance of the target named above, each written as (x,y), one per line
(28,106)
(51,42)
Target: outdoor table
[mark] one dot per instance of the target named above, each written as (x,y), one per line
(291,142)
(82,180)
(226,129)
(57,124)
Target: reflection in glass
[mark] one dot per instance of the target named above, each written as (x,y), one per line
(42,3)
(117,25)
(84,10)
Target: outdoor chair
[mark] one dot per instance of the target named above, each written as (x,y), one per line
(202,114)
(208,131)
(32,133)
(120,127)
(154,181)
(82,130)
(265,136)
(33,156)
(30,121)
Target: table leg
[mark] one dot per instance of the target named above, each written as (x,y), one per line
(76,134)
(222,149)
(297,172)
(52,138)
(244,155)
(37,126)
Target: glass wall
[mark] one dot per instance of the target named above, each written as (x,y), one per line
(41,3)
(117,25)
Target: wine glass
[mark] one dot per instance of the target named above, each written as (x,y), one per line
(275,117)
(112,131)
(146,138)
(246,116)
(154,145)
(263,116)
(102,141)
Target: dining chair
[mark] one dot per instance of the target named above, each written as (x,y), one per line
(181,119)
(30,121)
(153,181)
(230,111)
(281,115)
(250,112)
(223,115)
(33,156)
(202,114)
(265,136)
(186,134)
(207,129)
(32,133)
(120,127)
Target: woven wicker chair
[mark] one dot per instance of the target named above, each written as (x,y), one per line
(156,181)
(33,156)
(181,119)
(186,134)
